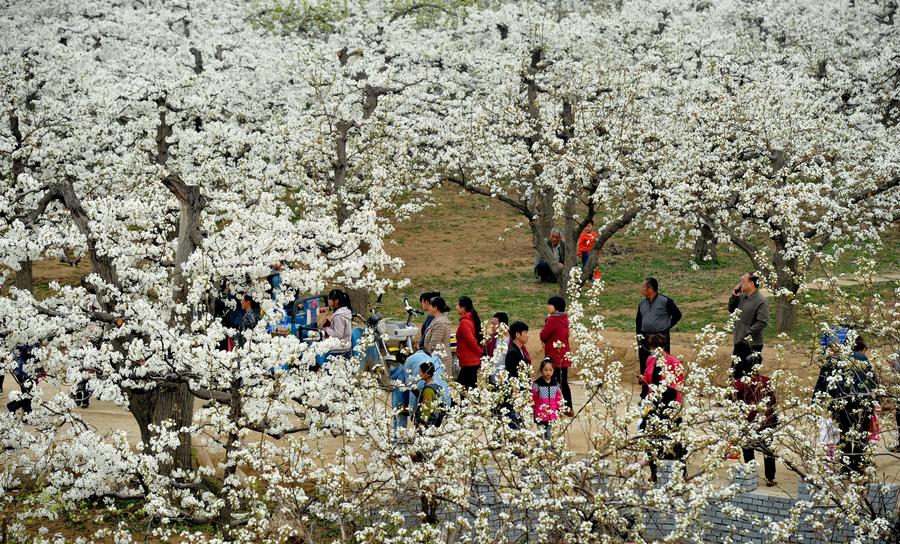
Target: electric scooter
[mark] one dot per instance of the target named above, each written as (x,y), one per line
(393,337)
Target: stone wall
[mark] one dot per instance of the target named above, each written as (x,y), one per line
(815,527)
(719,521)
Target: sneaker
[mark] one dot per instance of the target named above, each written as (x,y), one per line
(771,483)
(895,448)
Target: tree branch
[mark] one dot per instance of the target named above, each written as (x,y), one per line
(104,317)
(518,205)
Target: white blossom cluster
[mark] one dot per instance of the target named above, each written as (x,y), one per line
(182,149)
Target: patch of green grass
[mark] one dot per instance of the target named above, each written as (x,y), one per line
(700,291)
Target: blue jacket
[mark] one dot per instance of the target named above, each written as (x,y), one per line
(411,371)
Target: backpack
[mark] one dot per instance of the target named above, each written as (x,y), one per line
(437,413)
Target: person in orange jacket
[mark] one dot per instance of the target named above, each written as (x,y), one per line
(586,241)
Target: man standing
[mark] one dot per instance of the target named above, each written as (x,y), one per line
(516,356)
(748,337)
(656,314)
(542,269)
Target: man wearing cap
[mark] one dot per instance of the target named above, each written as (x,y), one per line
(656,314)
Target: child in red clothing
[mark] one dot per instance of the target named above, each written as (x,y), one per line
(546,396)
(586,241)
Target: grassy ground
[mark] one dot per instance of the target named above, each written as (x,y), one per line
(465,246)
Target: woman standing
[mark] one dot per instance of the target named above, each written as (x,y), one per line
(468,343)
(437,336)
(555,337)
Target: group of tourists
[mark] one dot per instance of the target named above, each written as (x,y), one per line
(661,375)
(656,315)
(846,383)
(507,345)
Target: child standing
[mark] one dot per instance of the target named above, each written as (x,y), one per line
(586,241)
(546,395)
(430,409)
(662,419)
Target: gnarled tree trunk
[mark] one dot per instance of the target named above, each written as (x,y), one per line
(168,402)
(787,272)
(25,276)
(705,250)
(359,300)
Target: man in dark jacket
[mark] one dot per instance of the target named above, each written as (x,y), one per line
(656,314)
(748,329)
(847,385)
(542,269)
(25,373)
(516,356)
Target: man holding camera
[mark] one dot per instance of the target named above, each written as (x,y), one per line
(754,316)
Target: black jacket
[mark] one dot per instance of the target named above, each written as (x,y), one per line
(514,357)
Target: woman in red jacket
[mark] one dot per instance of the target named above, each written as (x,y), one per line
(468,342)
(555,337)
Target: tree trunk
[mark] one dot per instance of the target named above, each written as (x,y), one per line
(235,412)
(25,276)
(705,247)
(571,231)
(174,401)
(785,314)
(359,300)
(166,402)
(787,273)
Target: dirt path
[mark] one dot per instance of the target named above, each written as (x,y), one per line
(851,280)
(106,417)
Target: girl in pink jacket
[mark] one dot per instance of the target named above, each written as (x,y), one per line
(546,396)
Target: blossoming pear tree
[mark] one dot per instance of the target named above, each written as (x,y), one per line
(176,177)
(790,137)
(184,149)
(564,120)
